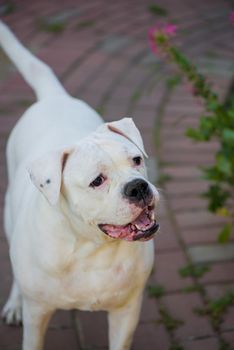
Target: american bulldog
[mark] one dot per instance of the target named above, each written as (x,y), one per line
(79,210)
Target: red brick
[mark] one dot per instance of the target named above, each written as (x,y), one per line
(161,209)
(182,109)
(151,98)
(77,78)
(101,82)
(171,133)
(181,172)
(229,337)
(182,188)
(167,265)
(7,123)
(14,84)
(148,141)
(61,319)
(10,337)
(133,78)
(59,63)
(198,218)
(185,157)
(149,311)
(228,319)
(181,307)
(165,239)
(114,111)
(188,203)
(151,336)
(94,328)
(203,344)
(185,144)
(4,248)
(6,280)
(218,290)
(188,121)
(61,339)
(93,99)
(220,272)
(122,92)
(200,235)
(144,118)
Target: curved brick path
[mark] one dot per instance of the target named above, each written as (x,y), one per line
(102,56)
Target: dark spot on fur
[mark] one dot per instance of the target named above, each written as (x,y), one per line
(48,181)
(41,186)
(64,160)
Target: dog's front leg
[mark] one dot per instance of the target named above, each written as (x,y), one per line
(36,317)
(123,322)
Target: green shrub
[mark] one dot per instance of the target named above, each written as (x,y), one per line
(216,123)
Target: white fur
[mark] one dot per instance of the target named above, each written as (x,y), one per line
(59,256)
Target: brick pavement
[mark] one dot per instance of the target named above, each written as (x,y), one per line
(102,56)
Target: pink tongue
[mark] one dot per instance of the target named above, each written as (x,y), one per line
(118,231)
(142,221)
(126,232)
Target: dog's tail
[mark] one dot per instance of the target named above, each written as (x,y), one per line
(38,75)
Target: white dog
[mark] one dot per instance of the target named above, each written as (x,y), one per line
(79,212)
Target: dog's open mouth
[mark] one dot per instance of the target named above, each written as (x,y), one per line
(141,229)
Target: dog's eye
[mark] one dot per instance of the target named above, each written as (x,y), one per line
(98,181)
(137,160)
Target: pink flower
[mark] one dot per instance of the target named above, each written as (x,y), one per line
(170,29)
(152,38)
(231,17)
(160,31)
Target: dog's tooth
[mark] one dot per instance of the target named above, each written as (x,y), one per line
(138,227)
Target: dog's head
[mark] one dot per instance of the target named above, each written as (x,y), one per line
(103,181)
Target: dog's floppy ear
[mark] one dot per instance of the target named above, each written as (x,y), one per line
(46,174)
(127,128)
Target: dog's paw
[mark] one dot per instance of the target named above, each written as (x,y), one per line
(12,313)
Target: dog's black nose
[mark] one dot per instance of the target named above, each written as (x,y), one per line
(138,190)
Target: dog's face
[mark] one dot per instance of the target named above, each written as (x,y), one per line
(103,180)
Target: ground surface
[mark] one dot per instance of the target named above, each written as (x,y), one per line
(102,56)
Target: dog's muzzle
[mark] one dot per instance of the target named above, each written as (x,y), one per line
(142,228)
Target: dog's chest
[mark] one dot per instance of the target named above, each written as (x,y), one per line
(97,289)
(88,278)
(103,281)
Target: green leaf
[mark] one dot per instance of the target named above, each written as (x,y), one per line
(225,233)
(7,8)
(207,126)
(212,173)
(213,105)
(230,113)
(155,291)
(192,288)
(169,322)
(228,136)
(52,25)
(194,270)
(194,134)
(176,347)
(174,81)
(157,10)
(217,197)
(85,24)
(224,164)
